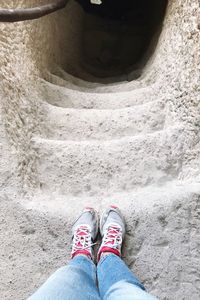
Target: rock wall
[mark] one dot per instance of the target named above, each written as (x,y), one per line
(66,142)
(28,50)
(45,42)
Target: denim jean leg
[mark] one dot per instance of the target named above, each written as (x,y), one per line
(125,290)
(75,281)
(117,281)
(112,269)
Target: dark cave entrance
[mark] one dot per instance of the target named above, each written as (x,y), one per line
(119,36)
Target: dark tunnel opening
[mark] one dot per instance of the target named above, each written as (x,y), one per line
(119,36)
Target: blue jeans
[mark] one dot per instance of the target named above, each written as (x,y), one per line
(79,279)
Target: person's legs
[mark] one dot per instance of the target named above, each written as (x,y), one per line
(77,280)
(116,281)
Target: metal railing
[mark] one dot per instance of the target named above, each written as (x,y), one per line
(23,14)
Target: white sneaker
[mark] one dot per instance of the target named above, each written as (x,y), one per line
(112,229)
(84,231)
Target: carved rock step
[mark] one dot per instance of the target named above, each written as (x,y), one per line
(162,236)
(74,124)
(65,97)
(89,167)
(91,82)
(116,88)
(142,200)
(121,83)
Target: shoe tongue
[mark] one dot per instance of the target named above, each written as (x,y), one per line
(109,243)
(112,228)
(111,234)
(82,232)
(111,231)
(79,244)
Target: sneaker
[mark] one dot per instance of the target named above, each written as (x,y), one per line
(112,229)
(84,232)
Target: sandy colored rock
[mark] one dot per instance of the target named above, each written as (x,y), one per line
(69,139)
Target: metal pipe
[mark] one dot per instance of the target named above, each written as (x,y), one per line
(23,14)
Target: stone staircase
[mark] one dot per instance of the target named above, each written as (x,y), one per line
(101,139)
(113,143)
(132,141)
(97,141)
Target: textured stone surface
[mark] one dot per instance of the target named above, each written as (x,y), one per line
(66,142)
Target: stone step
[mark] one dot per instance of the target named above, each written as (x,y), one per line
(92,81)
(162,233)
(63,80)
(144,200)
(90,167)
(84,124)
(65,97)
(121,82)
